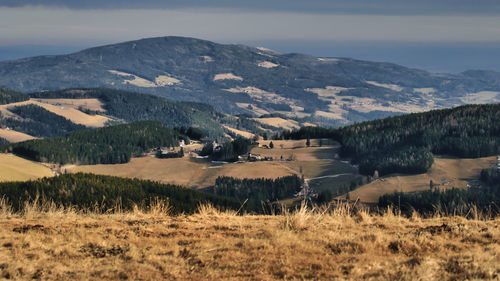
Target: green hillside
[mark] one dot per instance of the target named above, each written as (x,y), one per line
(114,144)
(406,144)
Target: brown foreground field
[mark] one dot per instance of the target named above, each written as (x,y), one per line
(211,245)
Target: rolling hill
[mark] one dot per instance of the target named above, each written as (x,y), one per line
(241,79)
(56,113)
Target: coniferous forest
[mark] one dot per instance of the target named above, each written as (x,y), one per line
(406,143)
(102,193)
(258,191)
(10,96)
(228,151)
(108,145)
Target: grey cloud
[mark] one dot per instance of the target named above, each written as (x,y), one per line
(379,7)
(63,26)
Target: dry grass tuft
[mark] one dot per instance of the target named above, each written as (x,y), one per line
(341,242)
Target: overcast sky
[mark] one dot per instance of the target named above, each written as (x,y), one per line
(280,23)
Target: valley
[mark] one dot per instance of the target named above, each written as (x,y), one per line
(319,164)
(359,141)
(293,158)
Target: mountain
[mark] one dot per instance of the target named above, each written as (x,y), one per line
(241,79)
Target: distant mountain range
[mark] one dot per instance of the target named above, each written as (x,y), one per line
(241,79)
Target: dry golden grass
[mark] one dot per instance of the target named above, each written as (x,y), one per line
(298,150)
(69,112)
(244,134)
(14,136)
(180,171)
(313,161)
(13,168)
(338,244)
(184,171)
(279,122)
(89,104)
(444,173)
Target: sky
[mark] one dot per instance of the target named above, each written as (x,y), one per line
(438,35)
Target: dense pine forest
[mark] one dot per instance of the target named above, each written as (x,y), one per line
(109,145)
(406,143)
(258,191)
(39,122)
(452,201)
(132,107)
(10,96)
(102,193)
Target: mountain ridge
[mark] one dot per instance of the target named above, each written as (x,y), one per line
(241,79)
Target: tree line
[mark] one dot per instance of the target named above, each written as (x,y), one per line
(227,151)
(108,145)
(89,191)
(9,96)
(258,191)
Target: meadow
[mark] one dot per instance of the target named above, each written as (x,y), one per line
(445,173)
(290,157)
(338,243)
(14,168)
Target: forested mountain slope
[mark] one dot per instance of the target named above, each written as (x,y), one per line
(242,79)
(407,143)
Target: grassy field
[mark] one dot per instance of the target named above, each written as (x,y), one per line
(14,136)
(66,109)
(184,171)
(237,132)
(88,104)
(279,122)
(444,173)
(212,245)
(13,168)
(312,162)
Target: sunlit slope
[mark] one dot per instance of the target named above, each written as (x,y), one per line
(13,168)
(444,173)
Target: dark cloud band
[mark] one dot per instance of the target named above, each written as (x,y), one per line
(381,7)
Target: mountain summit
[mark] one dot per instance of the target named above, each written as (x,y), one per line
(257,81)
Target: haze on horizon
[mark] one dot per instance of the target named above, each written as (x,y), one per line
(440,36)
